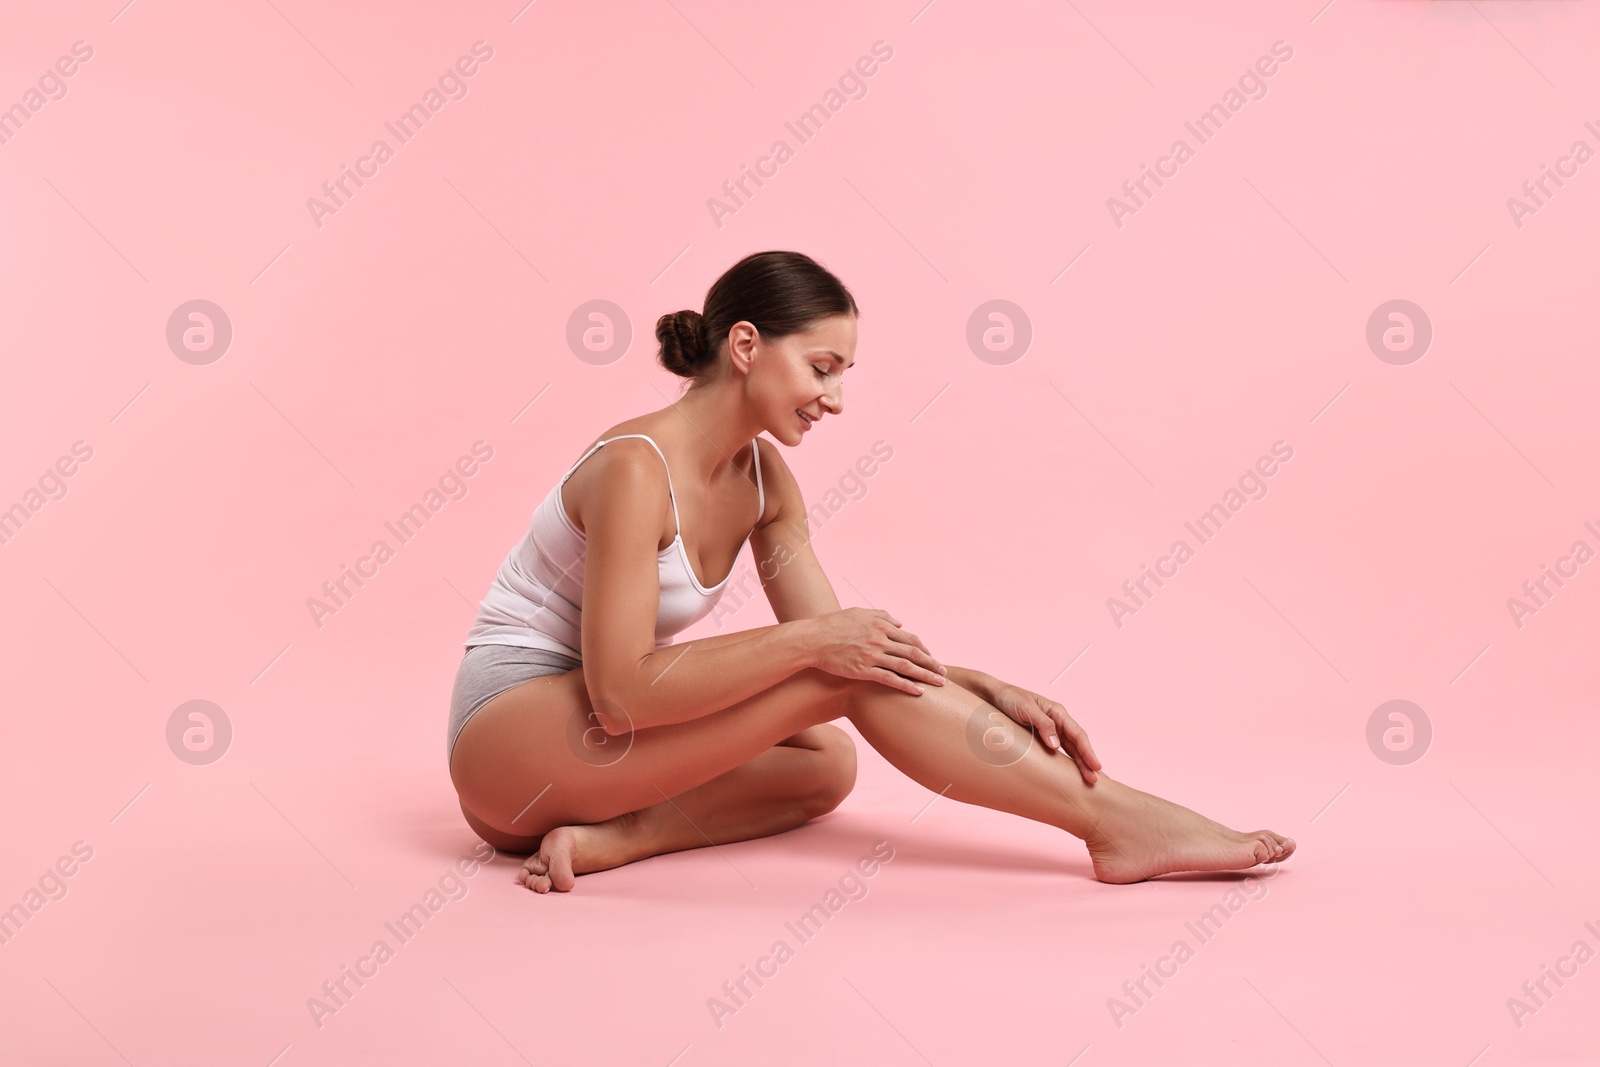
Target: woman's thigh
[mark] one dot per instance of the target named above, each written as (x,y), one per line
(534,757)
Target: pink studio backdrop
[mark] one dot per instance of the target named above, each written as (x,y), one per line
(1154,345)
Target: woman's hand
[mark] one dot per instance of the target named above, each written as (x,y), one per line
(1051,721)
(869,645)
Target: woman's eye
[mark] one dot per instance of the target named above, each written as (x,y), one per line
(820,371)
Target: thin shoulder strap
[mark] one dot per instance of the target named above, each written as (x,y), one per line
(761,493)
(653,445)
(579,461)
(676,525)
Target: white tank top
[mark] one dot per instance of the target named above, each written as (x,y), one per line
(536,598)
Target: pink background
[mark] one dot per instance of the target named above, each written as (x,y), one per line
(369,353)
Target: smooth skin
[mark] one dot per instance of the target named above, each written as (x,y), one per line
(643,751)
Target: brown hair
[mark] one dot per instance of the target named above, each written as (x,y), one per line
(779,293)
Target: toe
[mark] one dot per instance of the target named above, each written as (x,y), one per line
(561,876)
(1269,848)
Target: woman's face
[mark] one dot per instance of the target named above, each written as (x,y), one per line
(802,372)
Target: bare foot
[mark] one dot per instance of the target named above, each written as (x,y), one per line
(1139,836)
(568,851)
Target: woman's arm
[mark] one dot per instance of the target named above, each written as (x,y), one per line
(794,580)
(632,684)
(798,589)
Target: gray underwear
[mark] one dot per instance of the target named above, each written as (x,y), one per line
(486,671)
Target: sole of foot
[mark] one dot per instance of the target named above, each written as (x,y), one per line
(568,851)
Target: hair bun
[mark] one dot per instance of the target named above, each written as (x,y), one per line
(682,337)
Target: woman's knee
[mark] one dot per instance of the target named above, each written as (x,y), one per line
(832,693)
(836,771)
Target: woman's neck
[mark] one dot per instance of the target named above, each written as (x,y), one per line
(710,427)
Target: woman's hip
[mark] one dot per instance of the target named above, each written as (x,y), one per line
(486,671)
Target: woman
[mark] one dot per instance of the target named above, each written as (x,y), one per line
(581,735)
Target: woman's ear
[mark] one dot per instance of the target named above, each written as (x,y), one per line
(742,343)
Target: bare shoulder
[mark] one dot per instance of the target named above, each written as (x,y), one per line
(622,479)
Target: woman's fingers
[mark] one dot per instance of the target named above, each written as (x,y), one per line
(1077,735)
(919,657)
(1045,727)
(906,638)
(1087,775)
(894,681)
(1052,730)
(912,648)
(912,669)
(1077,742)
(1059,723)
(1050,719)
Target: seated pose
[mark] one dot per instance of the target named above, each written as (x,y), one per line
(581,735)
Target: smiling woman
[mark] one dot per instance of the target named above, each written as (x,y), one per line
(579,733)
